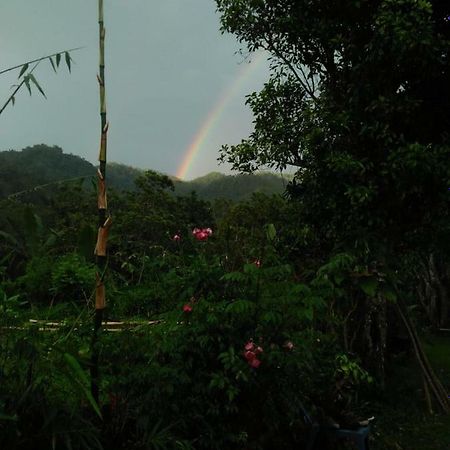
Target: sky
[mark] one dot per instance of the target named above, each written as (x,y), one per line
(176,86)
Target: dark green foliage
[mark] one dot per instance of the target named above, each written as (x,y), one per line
(350,104)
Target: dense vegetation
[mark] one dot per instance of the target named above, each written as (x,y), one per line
(234,314)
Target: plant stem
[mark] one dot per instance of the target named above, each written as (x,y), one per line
(104,221)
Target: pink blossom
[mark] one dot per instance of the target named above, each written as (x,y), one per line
(249,356)
(288,345)
(257,263)
(249,345)
(187,308)
(176,238)
(258,350)
(255,363)
(202,234)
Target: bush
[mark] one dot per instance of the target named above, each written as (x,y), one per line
(73,279)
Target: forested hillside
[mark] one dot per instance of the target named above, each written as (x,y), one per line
(41,164)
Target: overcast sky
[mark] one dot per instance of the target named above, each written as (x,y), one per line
(168,66)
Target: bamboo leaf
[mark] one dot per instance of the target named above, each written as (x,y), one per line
(68,60)
(58,59)
(35,82)
(23,70)
(81,378)
(52,63)
(27,83)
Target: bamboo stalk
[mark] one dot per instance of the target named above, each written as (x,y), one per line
(104,220)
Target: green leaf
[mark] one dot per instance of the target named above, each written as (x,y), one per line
(81,378)
(271,232)
(34,81)
(241,307)
(52,63)
(27,83)
(68,60)
(23,70)
(389,294)
(369,285)
(58,59)
(6,417)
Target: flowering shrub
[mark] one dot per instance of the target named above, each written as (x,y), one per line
(202,234)
(251,353)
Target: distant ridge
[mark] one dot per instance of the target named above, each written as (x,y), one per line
(40,164)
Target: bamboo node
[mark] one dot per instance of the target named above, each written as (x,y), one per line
(102,237)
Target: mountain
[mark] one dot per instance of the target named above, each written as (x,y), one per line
(234,187)
(41,164)
(37,165)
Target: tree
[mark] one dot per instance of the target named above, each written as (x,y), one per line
(358,102)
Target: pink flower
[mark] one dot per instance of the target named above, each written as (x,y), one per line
(176,238)
(202,234)
(249,356)
(255,363)
(258,350)
(289,345)
(257,263)
(249,345)
(187,308)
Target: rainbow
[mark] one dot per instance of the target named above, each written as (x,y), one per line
(215,114)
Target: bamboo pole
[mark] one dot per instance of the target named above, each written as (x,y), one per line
(104,220)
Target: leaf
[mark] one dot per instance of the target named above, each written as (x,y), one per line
(6,417)
(241,307)
(271,232)
(52,63)
(369,286)
(58,59)
(9,237)
(26,80)
(68,60)
(23,70)
(389,294)
(81,378)
(13,100)
(33,79)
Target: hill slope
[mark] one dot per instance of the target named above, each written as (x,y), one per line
(41,164)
